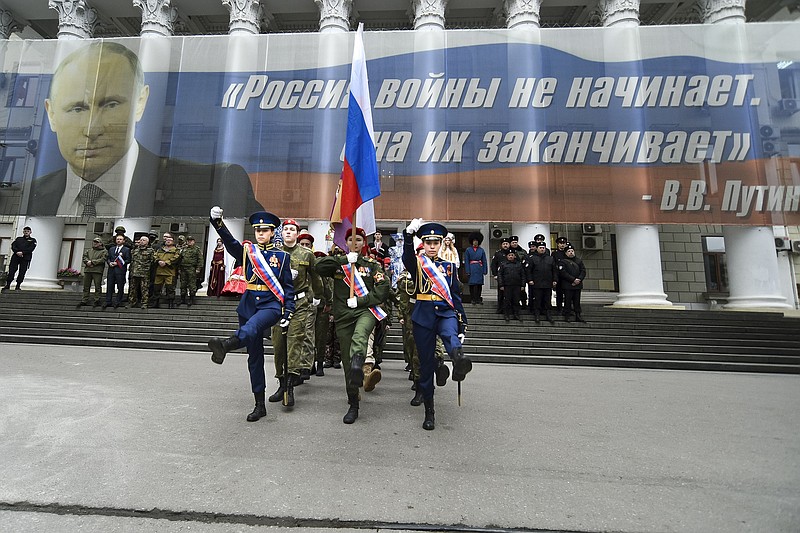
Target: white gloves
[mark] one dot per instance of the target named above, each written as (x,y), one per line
(315,302)
(295,273)
(352,257)
(284,323)
(216,212)
(412,228)
(352,303)
(462,338)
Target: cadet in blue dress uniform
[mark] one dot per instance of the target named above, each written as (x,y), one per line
(438,309)
(260,308)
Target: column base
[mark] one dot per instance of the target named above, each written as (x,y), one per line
(757,302)
(39,283)
(642,300)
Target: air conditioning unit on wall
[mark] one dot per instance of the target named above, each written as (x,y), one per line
(796,247)
(592,242)
(592,229)
(177,227)
(102,227)
(783,244)
(500,231)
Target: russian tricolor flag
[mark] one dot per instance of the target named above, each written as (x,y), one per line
(360,182)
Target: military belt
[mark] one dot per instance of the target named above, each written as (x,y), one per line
(256,287)
(429,298)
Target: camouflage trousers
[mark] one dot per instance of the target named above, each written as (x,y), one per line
(289,346)
(138,286)
(188,282)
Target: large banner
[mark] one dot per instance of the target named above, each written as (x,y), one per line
(679,124)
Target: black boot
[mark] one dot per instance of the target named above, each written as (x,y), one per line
(219,347)
(417,399)
(550,318)
(357,370)
(429,422)
(191,300)
(183,301)
(442,373)
(320,369)
(260,409)
(507,318)
(536,318)
(461,364)
(277,396)
(352,412)
(579,318)
(289,393)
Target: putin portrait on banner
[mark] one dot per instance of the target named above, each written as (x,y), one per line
(97,95)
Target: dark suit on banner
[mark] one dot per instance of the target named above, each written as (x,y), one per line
(162,186)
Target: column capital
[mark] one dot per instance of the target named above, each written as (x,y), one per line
(334,15)
(722,11)
(158,17)
(428,14)
(522,14)
(7,23)
(76,18)
(619,12)
(246,16)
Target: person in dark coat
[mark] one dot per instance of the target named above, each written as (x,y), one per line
(571,273)
(542,276)
(498,258)
(511,275)
(22,252)
(119,257)
(476,266)
(558,254)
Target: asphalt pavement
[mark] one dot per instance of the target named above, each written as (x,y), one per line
(112,439)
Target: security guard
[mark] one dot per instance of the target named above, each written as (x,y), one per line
(438,309)
(355,317)
(268,300)
(289,345)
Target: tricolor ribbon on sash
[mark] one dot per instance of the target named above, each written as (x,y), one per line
(439,284)
(264,271)
(119,261)
(361,289)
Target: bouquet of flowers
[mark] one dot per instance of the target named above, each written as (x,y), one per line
(67,273)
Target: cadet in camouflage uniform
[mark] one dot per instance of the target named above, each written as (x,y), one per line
(141,264)
(306,240)
(166,262)
(322,321)
(191,263)
(289,345)
(94,263)
(354,316)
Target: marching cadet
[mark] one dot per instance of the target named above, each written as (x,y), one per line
(141,263)
(306,240)
(289,345)
(190,266)
(166,260)
(322,321)
(438,309)
(355,317)
(268,299)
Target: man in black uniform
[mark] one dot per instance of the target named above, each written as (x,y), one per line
(542,276)
(22,249)
(511,276)
(558,254)
(498,258)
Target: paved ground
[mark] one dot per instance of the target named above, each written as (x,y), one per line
(106,440)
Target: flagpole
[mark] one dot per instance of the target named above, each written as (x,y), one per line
(353,233)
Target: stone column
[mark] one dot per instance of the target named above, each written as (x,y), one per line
(245,16)
(722,11)
(639,259)
(319,229)
(522,14)
(428,14)
(753,275)
(48,232)
(334,15)
(158,17)
(620,13)
(76,18)
(7,23)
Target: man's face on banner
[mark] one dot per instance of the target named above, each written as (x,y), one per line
(93,107)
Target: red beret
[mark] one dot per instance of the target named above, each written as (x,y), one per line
(291,221)
(320,254)
(359,231)
(305,235)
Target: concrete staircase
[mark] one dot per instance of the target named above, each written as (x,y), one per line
(637,338)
